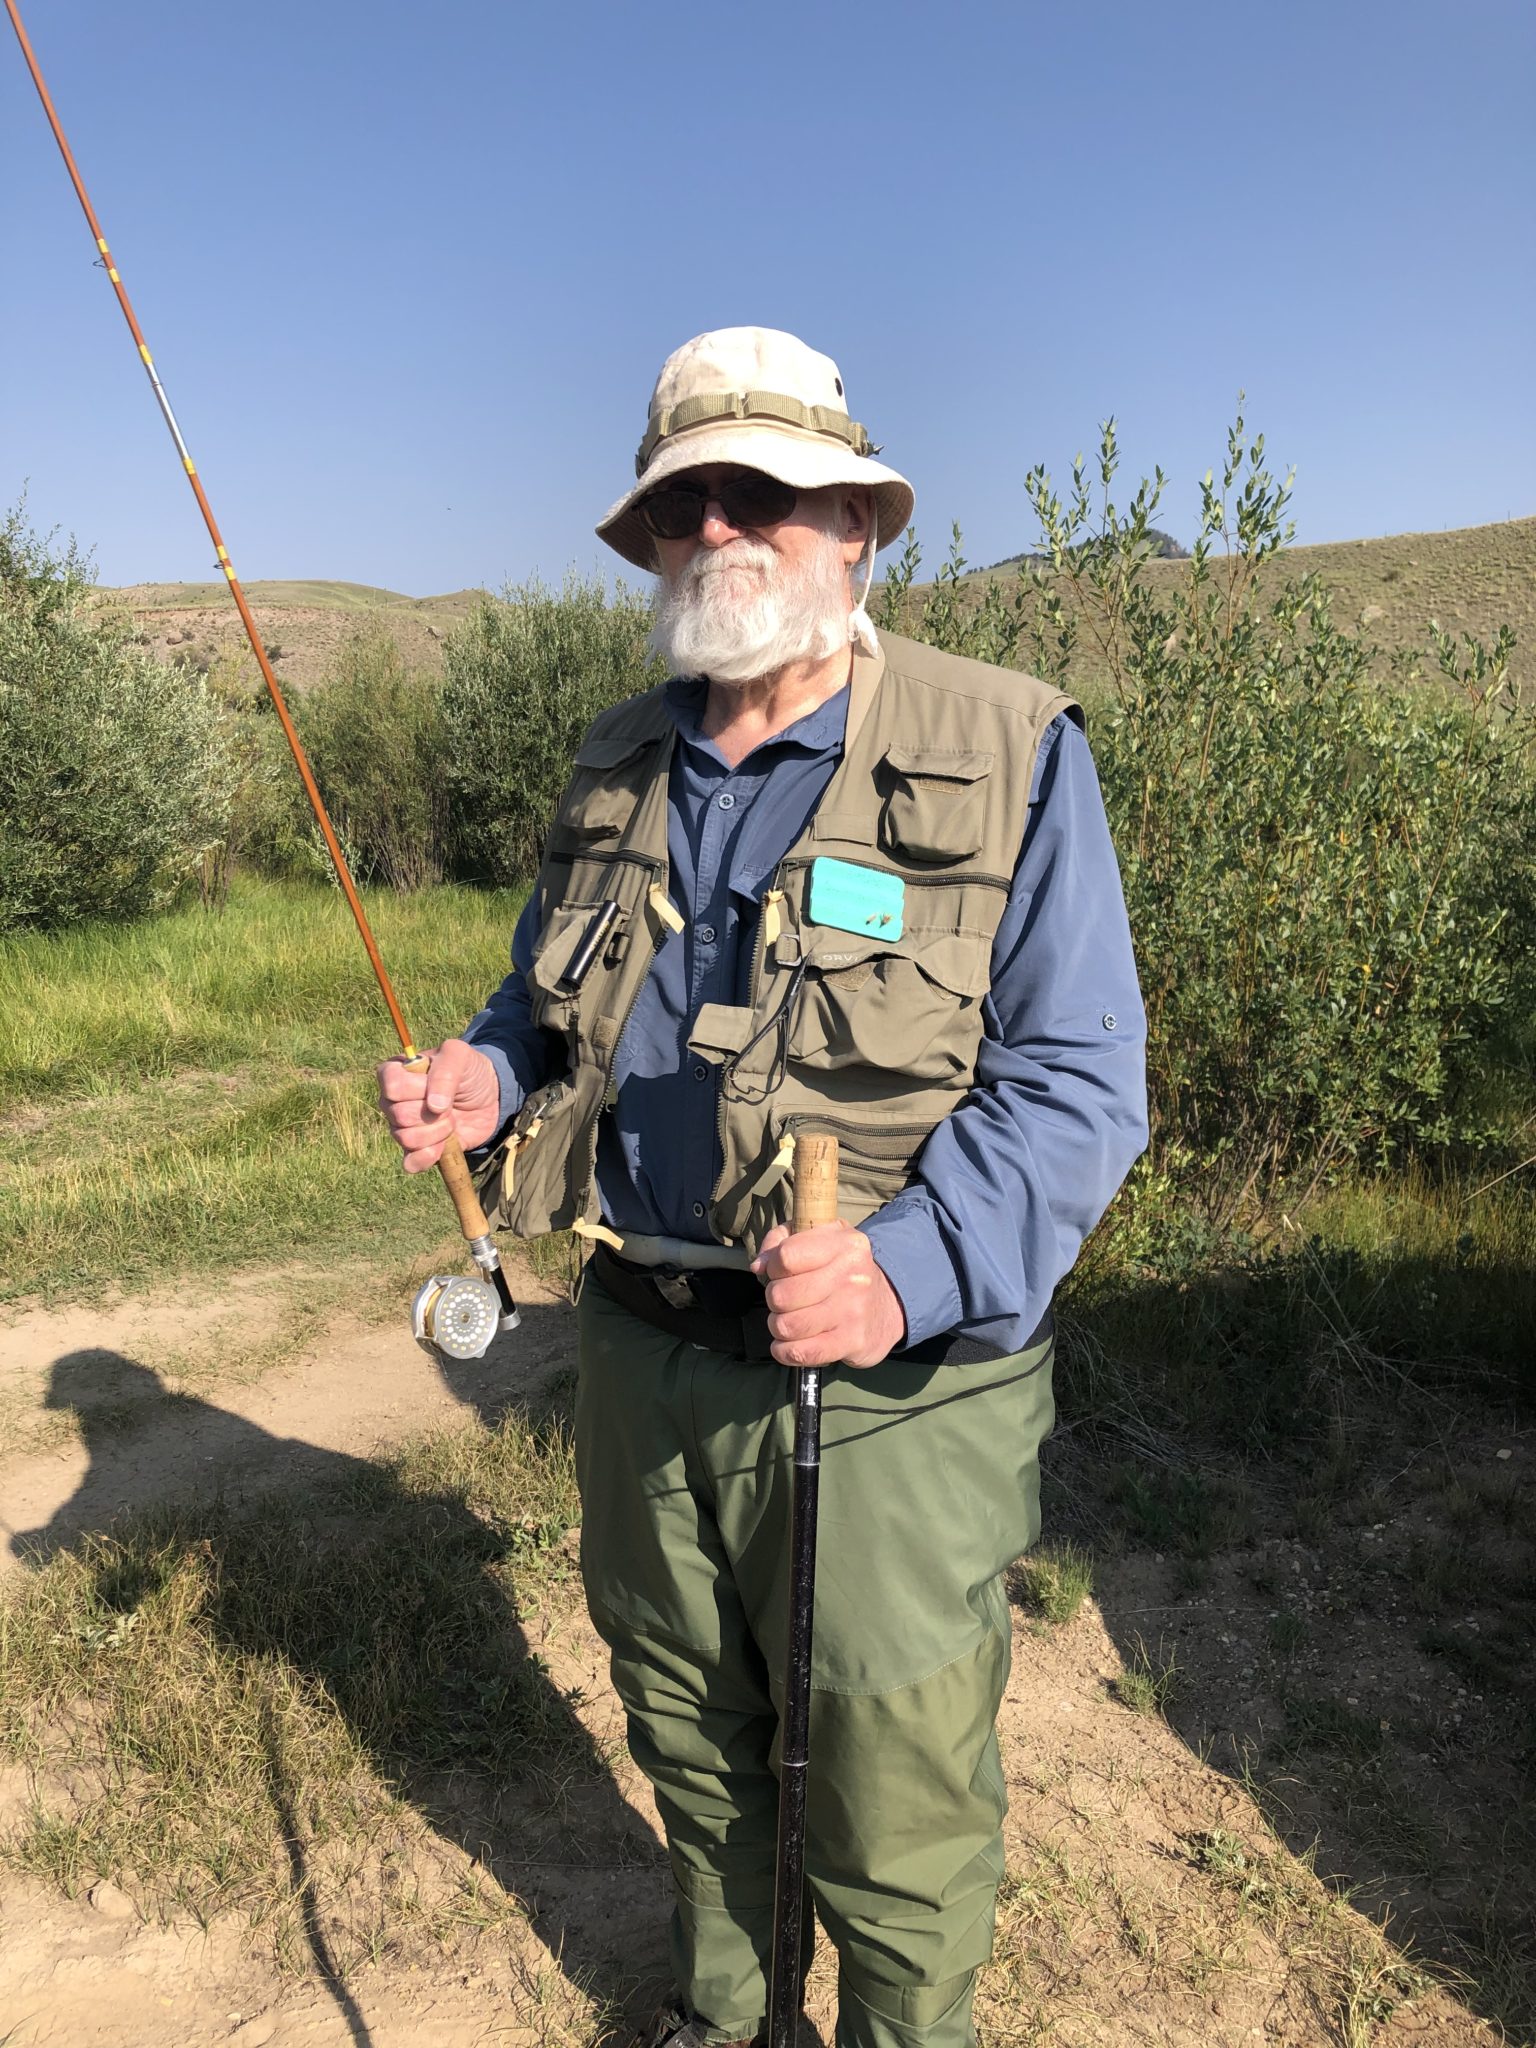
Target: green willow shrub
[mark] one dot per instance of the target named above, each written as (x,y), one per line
(1330,881)
(527,674)
(375,737)
(115,772)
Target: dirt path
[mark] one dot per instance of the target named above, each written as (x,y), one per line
(151,1398)
(1146,1901)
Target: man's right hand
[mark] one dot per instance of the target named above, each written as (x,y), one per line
(457,1095)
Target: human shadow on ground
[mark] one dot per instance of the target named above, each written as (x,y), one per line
(1308,1488)
(399,1590)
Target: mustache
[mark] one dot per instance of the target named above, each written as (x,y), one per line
(710,564)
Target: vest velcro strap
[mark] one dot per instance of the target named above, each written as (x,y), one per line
(665,908)
(720,1028)
(597,1233)
(854,828)
(611,751)
(778,1166)
(948,764)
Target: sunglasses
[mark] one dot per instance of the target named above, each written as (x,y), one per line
(676,511)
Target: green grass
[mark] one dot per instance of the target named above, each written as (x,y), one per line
(197,1090)
(1053,1581)
(1150,1680)
(279,975)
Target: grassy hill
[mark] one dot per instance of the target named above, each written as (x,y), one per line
(302,624)
(1473,579)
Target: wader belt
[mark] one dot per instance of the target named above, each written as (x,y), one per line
(725,1311)
(722,1310)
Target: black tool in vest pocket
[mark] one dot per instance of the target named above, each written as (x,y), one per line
(556,950)
(587,949)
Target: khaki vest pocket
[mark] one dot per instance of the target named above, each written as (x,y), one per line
(911,1009)
(552,952)
(936,803)
(530,1181)
(600,800)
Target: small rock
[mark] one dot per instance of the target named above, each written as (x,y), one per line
(1503,1454)
(111,1901)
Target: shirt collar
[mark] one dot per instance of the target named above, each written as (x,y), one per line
(820,731)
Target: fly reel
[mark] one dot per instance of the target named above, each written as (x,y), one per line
(459,1315)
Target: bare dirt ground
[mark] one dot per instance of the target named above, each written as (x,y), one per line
(1147,1900)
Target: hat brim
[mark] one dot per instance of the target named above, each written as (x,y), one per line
(808,461)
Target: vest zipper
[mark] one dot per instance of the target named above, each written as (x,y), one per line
(754,973)
(813,1120)
(657,868)
(923,881)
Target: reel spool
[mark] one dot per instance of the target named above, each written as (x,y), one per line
(458,1315)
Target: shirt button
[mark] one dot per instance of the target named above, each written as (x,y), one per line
(701,1073)
(698,1208)
(707,934)
(1109,1020)
(727,802)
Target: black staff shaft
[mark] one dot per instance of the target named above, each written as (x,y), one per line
(815,1203)
(795,1728)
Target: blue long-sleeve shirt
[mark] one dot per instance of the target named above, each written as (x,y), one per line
(1017,1175)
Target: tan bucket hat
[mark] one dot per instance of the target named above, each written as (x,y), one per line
(761,398)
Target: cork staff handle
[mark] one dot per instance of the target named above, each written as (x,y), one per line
(454,1168)
(815,1180)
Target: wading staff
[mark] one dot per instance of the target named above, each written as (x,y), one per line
(459,1315)
(815,1202)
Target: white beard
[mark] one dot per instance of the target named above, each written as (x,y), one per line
(738,613)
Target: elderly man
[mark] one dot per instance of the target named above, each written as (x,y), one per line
(823,879)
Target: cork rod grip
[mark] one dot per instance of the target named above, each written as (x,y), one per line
(454,1168)
(815,1180)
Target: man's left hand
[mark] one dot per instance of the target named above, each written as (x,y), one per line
(828,1302)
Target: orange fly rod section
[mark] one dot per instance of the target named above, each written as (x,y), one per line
(452,1166)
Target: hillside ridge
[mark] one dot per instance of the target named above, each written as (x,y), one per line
(1472,579)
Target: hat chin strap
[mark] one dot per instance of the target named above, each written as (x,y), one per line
(861,627)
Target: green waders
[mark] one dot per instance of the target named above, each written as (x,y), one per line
(929,1489)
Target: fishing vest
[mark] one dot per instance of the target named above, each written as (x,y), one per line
(872,956)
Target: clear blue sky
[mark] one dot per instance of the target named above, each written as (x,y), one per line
(408,271)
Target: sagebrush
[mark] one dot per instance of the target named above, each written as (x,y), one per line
(376,739)
(115,771)
(526,677)
(1331,880)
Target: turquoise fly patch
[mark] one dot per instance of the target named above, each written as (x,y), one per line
(855,899)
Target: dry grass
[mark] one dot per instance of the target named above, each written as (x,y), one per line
(1236,1939)
(225,1713)
(1052,1582)
(1472,579)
